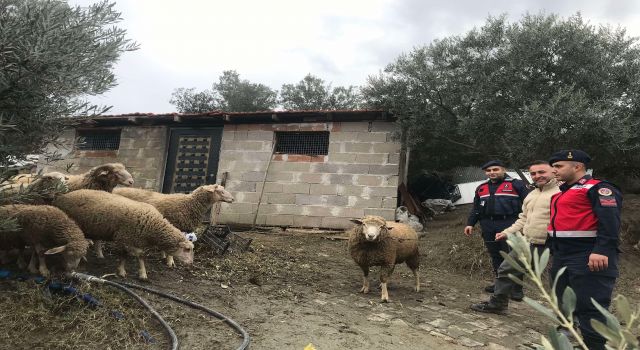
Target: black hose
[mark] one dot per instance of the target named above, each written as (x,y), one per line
(165,325)
(245,335)
(121,285)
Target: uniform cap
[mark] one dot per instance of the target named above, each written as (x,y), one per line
(574,155)
(494,162)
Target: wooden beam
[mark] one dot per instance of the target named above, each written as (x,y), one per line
(227,118)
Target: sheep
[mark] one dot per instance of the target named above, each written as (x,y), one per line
(404,216)
(48,230)
(103,177)
(40,190)
(376,242)
(184,211)
(134,226)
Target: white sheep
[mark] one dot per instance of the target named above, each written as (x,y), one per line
(376,242)
(184,211)
(404,216)
(134,226)
(48,230)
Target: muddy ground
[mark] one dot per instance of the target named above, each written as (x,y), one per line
(291,290)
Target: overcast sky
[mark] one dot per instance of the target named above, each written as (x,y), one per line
(189,43)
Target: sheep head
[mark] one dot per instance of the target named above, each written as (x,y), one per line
(112,174)
(184,253)
(219,193)
(372,227)
(72,254)
(49,185)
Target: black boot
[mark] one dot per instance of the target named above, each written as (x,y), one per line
(517,294)
(490,289)
(492,306)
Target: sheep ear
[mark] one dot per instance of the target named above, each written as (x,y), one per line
(56,250)
(356,221)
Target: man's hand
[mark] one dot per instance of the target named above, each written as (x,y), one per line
(468,231)
(598,262)
(500,236)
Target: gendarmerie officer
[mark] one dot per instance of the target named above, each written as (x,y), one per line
(583,235)
(496,204)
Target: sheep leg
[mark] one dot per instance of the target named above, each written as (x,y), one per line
(365,279)
(170,261)
(42,265)
(142,271)
(121,271)
(32,263)
(21,263)
(385,272)
(98,245)
(414,265)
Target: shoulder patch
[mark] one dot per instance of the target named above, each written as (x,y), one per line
(582,181)
(608,202)
(605,191)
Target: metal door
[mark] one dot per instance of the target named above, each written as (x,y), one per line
(192,160)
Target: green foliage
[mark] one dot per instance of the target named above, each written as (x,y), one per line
(230,94)
(619,335)
(51,56)
(312,93)
(519,91)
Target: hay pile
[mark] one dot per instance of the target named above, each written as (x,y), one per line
(32,318)
(450,250)
(630,231)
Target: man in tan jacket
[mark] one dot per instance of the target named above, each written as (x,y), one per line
(533,223)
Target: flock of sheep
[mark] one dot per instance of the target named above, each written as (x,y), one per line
(92,209)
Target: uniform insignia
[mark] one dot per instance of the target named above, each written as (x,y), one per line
(569,156)
(605,192)
(608,202)
(582,181)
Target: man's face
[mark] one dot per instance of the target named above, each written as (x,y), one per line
(541,174)
(564,170)
(495,172)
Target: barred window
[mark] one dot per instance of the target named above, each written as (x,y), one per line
(312,143)
(98,140)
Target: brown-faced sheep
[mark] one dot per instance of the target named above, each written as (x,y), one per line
(103,177)
(376,242)
(48,230)
(134,226)
(184,211)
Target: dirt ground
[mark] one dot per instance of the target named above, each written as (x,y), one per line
(294,289)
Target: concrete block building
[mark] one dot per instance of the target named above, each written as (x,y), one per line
(315,169)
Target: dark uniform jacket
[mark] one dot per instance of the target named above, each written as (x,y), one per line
(502,199)
(585,219)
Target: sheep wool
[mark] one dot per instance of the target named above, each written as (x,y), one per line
(376,242)
(135,226)
(103,177)
(184,211)
(49,230)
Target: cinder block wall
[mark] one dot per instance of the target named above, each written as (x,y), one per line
(358,177)
(142,150)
